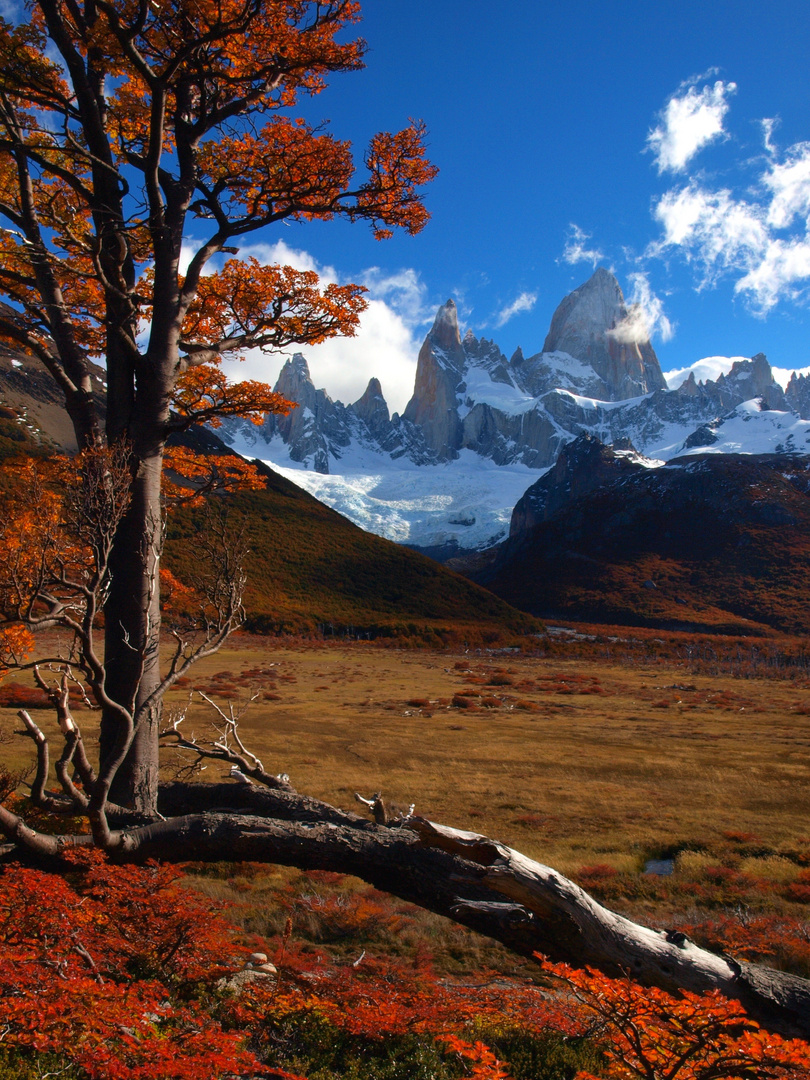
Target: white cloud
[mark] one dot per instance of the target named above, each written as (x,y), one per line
(524,302)
(690,120)
(707,369)
(769,125)
(759,235)
(723,235)
(783,375)
(715,230)
(645,315)
(779,273)
(576,250)
(790,187)
(385,346)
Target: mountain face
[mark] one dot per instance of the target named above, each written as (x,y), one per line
(480,428)
(594,325)
(705,542)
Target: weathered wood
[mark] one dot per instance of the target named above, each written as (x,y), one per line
(470,878)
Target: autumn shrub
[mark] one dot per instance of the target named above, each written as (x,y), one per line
(106,970)
(14,695)
(113,973)
(500,678)
(527,705)
(649,1033)
(463,701)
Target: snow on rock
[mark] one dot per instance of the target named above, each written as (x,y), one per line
(750,429)
(481,429)
(464,504)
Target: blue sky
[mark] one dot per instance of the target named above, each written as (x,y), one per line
(669,141)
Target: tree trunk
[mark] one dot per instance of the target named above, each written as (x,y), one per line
(132,640)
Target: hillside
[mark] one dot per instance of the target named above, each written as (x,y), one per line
(714,542)
(311,569)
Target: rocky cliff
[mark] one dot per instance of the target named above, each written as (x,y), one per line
(594,324)
(506,420)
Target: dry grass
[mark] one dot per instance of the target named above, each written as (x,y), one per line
(576,762)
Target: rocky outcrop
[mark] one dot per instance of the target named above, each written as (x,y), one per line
(582,466)
(594,324)
(797,395)
(372,409)
(439,378)
(317,427)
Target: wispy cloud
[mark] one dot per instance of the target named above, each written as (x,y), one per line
(524,302)
(758,236)
(576,249)
(645,318)
(789,185)
(690,119)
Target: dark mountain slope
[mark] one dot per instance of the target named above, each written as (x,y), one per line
(716,542)
(311,568)
(28,390)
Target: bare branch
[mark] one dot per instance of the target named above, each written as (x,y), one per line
(247,764)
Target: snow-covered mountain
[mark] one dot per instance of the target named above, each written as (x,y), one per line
(481,428)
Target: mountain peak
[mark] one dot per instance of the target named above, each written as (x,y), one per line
(445,333)
(372,408)
(439,373)
(594,325)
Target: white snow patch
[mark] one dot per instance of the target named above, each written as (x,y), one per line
(469,500)
(640,459)
(595,403)
(750,430)
(568,365)
(503,396)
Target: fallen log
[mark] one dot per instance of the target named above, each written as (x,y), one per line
(477,881)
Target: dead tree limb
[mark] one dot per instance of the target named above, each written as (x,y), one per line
(467,877)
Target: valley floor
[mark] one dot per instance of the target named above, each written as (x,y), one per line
(610,758)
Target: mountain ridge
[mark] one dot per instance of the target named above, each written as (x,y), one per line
(480,428)
(711,542)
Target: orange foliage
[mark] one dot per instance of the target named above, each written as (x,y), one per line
(116,970)
(97,971)
(485,1065)
(204,394)
(652,1034)
(193,476)
(270,305)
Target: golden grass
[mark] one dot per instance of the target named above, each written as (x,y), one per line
(573,761)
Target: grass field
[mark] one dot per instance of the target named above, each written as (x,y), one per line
(592,764)
(573,760)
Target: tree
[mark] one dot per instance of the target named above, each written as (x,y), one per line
(125,124)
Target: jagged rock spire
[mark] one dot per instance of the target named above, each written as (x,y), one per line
(439,373)
(594,324)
